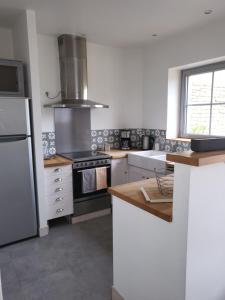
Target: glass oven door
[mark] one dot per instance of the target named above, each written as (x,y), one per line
(78,182)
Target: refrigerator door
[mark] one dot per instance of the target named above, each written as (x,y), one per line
(18,219)
(14,116)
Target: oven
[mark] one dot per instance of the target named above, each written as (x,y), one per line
(96,198)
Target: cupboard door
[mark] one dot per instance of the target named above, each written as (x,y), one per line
(137,174)
(119,171)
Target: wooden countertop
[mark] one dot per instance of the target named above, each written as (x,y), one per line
(116,153)
(57,161)
(197,158)
(131,193)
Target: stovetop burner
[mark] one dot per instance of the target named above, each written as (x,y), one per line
(85,155)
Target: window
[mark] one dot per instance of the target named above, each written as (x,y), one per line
(203,101)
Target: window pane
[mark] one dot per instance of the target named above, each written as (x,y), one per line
(199,88)
(198,119)
(219,86)
(218,120)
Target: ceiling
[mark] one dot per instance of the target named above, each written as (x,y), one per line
(115,22)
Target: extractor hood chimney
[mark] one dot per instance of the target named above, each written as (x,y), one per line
(73,73)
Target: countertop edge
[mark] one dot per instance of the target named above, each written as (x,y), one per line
(145,207)
(197,159)
(58,160)
(118,154)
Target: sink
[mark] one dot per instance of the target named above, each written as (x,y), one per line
(149,153)
(148,160)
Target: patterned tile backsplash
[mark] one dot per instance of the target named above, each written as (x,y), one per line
(101,137)
(112,137)
(48,144)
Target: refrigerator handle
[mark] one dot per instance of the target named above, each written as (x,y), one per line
(8,139)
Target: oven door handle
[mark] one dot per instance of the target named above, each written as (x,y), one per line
(93,168)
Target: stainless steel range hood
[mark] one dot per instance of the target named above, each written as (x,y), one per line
(73,74)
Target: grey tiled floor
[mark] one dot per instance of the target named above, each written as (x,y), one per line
(74,262)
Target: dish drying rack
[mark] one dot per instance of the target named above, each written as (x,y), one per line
(165,180)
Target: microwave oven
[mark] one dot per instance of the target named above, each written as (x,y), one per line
(11,78)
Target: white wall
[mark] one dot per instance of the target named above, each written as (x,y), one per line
(114,78)
(205,270)
(6,45)
(197,45)
(25,49)
(49,76)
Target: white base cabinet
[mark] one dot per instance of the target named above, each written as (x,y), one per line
(59,191)
(122,173)
(119,171)
(137,174)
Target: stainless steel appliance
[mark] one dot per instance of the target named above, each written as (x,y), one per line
(73,74)
(18,218)
(97,199)
(147,142)
(11,78)
(125,141)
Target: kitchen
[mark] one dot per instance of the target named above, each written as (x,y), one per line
(135,80)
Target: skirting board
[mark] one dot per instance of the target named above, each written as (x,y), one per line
(92,215)
(116,295)
(1,296)
(43,231)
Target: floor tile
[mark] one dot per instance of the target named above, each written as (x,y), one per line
(74,262)
(57,286)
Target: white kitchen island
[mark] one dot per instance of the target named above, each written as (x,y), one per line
(172,252)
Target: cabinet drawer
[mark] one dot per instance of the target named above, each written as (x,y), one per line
(56,171)
(59,179)
(58,189)
(60,198)
(60,210)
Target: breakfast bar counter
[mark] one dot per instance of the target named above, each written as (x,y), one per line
(183,258)
(197,158)
(131,193)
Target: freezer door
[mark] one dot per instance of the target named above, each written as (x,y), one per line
(18,218)
(14,116)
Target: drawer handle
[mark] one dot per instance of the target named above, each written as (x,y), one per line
(58,190)
(58,170)
(58,180)
(59,210)
(59,199)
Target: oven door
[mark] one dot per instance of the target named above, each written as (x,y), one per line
(78,183)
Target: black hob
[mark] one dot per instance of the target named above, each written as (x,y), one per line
(85,155)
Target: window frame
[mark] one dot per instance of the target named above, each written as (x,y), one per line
(183,97)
